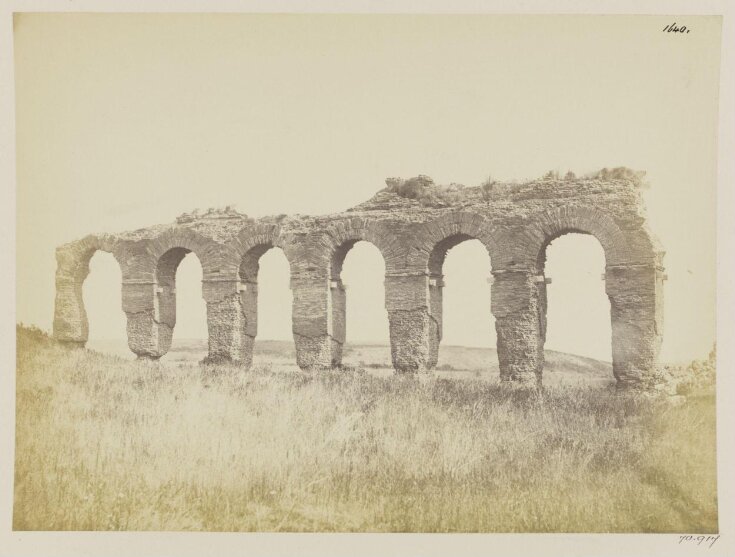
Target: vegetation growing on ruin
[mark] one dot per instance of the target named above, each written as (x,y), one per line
(423,189)
(108,444)
(636,177)
(696,378)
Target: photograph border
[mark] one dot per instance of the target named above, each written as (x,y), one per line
(13,543)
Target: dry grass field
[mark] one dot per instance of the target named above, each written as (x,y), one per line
(104,443)
(454,361)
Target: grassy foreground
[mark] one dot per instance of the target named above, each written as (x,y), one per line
(108,444)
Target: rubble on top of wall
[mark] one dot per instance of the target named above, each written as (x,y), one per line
(228,212)
(420,199)
(217,223)
(421,192)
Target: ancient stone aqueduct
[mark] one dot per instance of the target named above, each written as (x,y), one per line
(413,223)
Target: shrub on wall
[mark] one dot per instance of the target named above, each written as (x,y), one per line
(698,377)
(636,177)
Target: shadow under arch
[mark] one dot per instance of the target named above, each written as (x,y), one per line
(359,303)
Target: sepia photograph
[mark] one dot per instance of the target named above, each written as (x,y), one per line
(308,271)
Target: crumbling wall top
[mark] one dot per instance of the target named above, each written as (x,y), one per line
(419,199)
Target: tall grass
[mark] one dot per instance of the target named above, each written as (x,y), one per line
(108,444)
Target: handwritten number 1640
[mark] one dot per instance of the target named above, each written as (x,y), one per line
(673,28)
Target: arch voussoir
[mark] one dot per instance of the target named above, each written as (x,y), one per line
(620,247)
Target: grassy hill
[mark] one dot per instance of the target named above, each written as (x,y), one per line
(460,360)
(105,443)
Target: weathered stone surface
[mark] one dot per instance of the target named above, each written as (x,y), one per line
(413,223)
(516,305)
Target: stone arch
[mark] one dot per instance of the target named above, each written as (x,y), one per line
(141,257)
(149,293)
(73,258)
(574,307)
(250,245)
(219,277)
(633,281)
(341,239)
(439,253)
(436,238)
(217,260)
(341,236)
(621,246)
(165,281)
(164,298)
(70,316)
(561,222)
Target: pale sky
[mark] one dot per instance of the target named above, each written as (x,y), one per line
(125,121)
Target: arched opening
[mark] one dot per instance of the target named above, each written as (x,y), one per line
(182,311)
(577,307)
(102,296)
(460,269)
(267,299)
(359,317)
